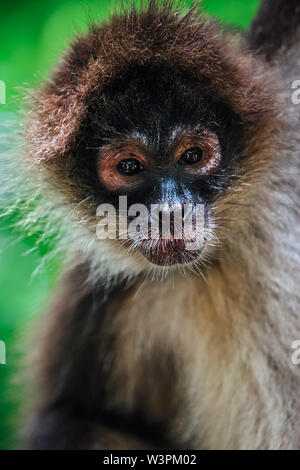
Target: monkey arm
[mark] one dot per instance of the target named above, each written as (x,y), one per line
(275,26)
(74,365)
(60,428)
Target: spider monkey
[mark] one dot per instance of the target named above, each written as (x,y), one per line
(147,345)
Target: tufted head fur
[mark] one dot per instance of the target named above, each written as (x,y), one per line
(156,35)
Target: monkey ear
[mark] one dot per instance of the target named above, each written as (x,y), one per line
(275,26)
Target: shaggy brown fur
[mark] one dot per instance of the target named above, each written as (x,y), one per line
(204,363)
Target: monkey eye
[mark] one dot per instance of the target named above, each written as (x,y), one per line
(198,155)
(130,167)
(122,165)
(191,156)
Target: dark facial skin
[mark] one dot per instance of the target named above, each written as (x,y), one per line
(159,136)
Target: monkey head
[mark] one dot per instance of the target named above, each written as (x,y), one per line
(165,109)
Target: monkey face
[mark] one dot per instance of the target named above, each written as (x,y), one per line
(158,137)
(164,180)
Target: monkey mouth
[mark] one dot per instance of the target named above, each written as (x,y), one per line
(168,252)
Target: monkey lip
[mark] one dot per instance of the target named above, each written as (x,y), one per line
(168,252)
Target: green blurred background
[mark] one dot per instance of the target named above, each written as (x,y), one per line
(33,34)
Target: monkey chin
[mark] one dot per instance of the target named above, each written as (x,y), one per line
(169,252)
